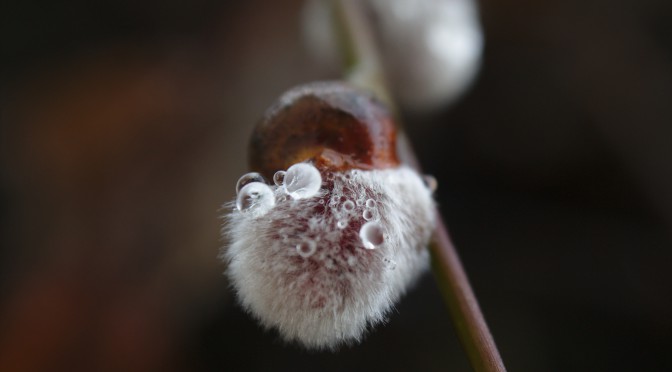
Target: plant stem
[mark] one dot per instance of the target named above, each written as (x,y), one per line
(364,69)
(360,53)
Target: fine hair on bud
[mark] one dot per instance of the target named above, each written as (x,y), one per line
(322,252)
(322,269)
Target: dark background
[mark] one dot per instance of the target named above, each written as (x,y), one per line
(124,127)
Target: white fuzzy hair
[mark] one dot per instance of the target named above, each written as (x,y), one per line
(332,296)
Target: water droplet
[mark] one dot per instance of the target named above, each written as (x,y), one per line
(306,248)
(302,181)
(368,215)
(247,179)
(255,196)
(279,177)
(370,203)
(371,234)
(321,201)
(342,224)
(431,182)
(348,205)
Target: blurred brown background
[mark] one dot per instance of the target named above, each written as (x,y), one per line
(124,127)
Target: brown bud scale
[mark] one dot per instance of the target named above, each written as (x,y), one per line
(332,124)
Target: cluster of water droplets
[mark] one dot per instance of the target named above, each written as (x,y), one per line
(353,205)
(253,195)
(303,181)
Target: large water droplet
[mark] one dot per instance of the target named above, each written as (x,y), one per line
(370,203)
(306,248)
(247,179)
(279,177)
(255,196)
(371,234)
(342,224)
(302,181)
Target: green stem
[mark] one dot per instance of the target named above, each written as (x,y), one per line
(360,54)
(364,69)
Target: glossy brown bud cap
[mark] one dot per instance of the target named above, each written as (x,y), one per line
(334,125)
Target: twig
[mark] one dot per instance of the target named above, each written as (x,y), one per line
(466,313)
(364,69)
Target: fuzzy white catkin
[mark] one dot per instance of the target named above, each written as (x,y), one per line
(334,290)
